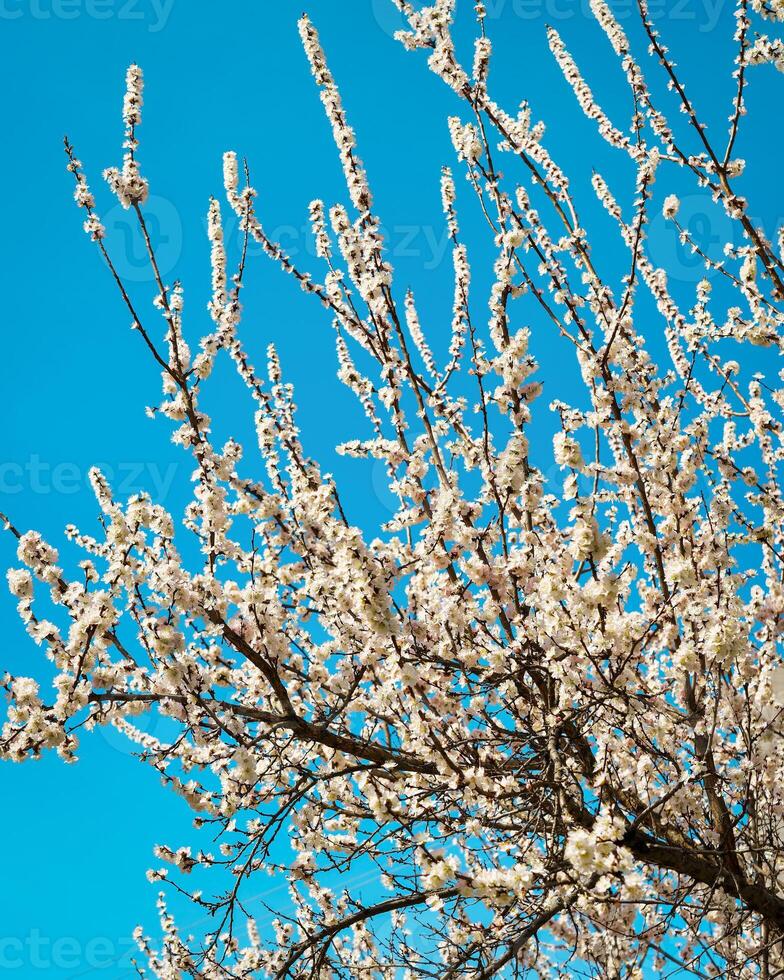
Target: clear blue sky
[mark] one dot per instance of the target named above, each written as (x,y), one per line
(74,380)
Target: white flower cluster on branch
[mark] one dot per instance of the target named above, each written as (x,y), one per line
(545,730)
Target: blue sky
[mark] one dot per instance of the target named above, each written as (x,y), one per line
(74,380)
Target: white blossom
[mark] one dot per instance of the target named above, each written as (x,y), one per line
(539,706)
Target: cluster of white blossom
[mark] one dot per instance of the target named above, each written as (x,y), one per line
(548,725)
(127,182)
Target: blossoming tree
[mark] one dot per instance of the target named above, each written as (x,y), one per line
(548,730)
